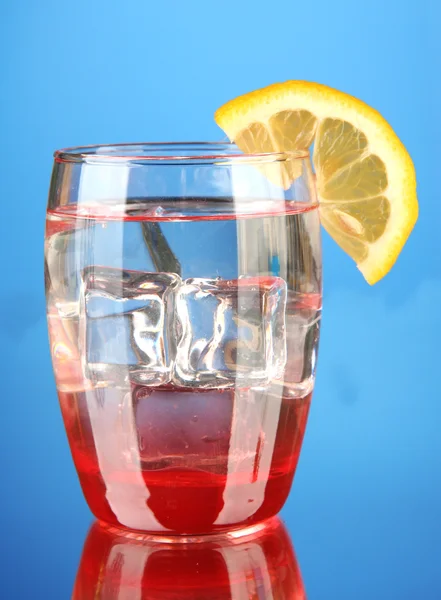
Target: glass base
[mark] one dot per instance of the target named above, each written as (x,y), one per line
(218,536)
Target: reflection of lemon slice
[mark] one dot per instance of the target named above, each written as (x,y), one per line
(365,177)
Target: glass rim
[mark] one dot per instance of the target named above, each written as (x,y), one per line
(180,153)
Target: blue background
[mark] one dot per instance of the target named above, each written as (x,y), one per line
(365,511)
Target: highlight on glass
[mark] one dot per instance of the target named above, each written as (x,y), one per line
(183,286)
(261,564)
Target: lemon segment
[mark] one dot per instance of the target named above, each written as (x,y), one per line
(365,177)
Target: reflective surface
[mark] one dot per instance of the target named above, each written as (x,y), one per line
(260,564)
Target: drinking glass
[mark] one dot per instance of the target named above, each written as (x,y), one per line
(183,285)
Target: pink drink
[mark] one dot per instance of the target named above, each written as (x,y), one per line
(184,360)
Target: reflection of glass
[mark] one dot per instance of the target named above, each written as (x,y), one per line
(184,292)
(258,565)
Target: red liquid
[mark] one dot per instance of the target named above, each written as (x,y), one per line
(184,473)
(174,460)
(261,566)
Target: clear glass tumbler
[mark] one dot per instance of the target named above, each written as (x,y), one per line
(183,287)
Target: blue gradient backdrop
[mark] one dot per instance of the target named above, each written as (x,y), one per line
(365,511)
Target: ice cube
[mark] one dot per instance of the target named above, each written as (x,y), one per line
(127,320)
(233,332)
(303,315)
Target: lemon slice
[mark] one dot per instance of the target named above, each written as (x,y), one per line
(365,177)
